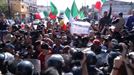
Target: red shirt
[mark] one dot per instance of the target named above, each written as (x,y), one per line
(42,57)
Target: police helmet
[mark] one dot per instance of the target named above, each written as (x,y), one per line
(111,56)
(91,58)
(77,54)
(12,67)
(56,61)
(76,70)
(25,68)
(2,58)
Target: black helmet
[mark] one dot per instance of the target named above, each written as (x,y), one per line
(76,70)
(77,54)
(25,68)
(111,56)
(3,64)
(2,58)
(91,58)
(12,67)
(56,61)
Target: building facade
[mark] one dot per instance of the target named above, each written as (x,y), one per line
(19,8)
(32,5)
(22,9)
(118,6)
(42,8)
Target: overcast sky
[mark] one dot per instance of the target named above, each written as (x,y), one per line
(63,4)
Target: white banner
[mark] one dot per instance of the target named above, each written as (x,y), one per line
(80,28)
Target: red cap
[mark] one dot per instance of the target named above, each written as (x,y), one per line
(96,42)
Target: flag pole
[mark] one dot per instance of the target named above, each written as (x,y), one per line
(47,5)
(85,2)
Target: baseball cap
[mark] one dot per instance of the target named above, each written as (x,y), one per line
(96,42)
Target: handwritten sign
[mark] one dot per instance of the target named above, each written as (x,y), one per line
(80,28)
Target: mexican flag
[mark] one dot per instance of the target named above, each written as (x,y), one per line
(74,10)
(39,15)
(99,4)
(103,1)
(52,16)
(54,11)
(81,15)
(63,25)
(68,13)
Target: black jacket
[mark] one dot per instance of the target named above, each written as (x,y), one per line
(106,20)
(3,25)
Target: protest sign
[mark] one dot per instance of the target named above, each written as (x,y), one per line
(80,28)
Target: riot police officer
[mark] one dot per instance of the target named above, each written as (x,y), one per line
(2,64)
(91,60)
(57,62)
(24,68)
(6,58)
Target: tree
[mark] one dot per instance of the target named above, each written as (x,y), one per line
(4,9)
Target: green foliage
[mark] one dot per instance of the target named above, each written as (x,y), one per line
(4,9)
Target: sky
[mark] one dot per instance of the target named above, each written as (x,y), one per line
(63,4)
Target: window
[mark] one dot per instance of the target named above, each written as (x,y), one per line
(22,6)
(20,0)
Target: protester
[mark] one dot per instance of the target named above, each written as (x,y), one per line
(106,19)
(3,25)
(130,22)
(46,49)
(119,22)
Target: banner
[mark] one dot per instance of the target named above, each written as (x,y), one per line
(80,28)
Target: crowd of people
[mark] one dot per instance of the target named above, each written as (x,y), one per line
(107,50)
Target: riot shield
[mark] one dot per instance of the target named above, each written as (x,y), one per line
(37,66)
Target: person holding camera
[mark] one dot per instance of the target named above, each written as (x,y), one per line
(3,26)
(123,64)
(85,63)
